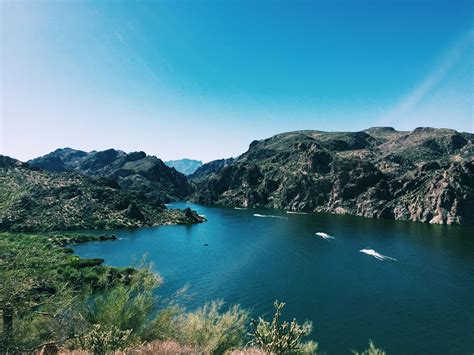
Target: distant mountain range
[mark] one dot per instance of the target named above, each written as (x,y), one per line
(423,175)
(185,166)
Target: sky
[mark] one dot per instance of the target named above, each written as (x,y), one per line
(202,79)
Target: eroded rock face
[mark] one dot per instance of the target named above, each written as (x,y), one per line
(425,175)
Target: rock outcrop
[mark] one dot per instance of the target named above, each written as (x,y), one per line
(424,175)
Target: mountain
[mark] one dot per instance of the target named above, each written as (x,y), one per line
(133,171)
(35,200)
(184,166)
(60,160)
(424,175)
(210,168)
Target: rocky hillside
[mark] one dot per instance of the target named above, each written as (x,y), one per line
(134,171)
(424,175)
(34,200)
(208,169)
(184,166)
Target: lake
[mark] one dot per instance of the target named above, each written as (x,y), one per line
(420,300)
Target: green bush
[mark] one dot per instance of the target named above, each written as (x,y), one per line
(210,331)
(125,306)
(102,340)
(281,337)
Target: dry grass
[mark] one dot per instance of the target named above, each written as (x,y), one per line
(164,347)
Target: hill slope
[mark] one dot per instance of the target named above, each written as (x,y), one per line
(134,171)
(36,200)
(424,175)
(213,167)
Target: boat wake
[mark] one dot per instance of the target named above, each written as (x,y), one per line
(267,216)
(239,208)
(295,212)
(324,235)
(376,255)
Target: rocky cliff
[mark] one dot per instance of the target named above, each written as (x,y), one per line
(136,171)
(36,200)
(424,175)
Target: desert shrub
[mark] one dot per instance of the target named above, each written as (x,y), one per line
(371,350)
(211,331)
(281,337)
(102,340)
(163,326)
(128,307)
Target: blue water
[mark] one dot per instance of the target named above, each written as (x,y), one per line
(420,303)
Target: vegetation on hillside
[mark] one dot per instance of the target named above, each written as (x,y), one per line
(33,200)
(40,282)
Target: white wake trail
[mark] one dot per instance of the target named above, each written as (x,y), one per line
(324,235)
(376,255)
(267,216)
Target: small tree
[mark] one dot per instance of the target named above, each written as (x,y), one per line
(126,308)
(278,338)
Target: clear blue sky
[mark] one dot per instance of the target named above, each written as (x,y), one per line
(202,79)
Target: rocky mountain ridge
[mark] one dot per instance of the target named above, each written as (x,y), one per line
(135,171)
(424,175)
(209,168)
(34,200)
